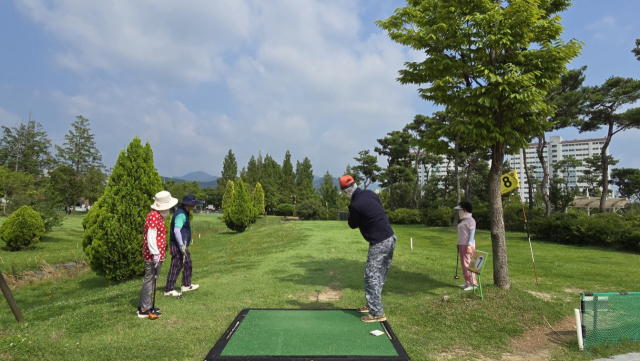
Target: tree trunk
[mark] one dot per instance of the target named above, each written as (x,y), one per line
(446,179)
(417,186)
(467,190)
(605,169)
(390,186)
(498,241)
(455,164)
(545,176)
(529,185)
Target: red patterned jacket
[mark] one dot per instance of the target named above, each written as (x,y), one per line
(154,221)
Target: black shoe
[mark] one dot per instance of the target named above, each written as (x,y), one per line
(154,310)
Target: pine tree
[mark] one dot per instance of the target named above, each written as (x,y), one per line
(241,211)
(113,227)
(288,187)
(258,199)
(79,149)
(226,204)
(304,180)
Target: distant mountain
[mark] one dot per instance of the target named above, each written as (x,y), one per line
(198,176)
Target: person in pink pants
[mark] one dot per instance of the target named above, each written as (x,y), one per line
(466,243)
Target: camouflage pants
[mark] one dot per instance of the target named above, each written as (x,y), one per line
(375,273)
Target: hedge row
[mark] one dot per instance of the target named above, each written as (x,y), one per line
(604,230)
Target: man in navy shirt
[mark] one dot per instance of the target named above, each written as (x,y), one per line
(366,213)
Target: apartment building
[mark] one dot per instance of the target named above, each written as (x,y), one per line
(556,150)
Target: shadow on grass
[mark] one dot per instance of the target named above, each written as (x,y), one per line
(345,273)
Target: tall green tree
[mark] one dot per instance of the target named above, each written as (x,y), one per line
(65,185)
(79,149)
(93,185)
(25,148)
(328,191)
(253,172)
(288,188)
(229,170)
(304,180)
(395,146)
(228,195)
(258,199)
(368,167)
(592,174)
(603,103)
(492,63)
(567,99)
(628,182)
(241,209)
(271,183)
(112,237)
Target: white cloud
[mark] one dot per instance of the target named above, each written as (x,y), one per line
(9,119)
(301,76)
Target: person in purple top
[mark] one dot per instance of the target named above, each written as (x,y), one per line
(466,242)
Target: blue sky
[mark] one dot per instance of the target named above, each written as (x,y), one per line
(198,78)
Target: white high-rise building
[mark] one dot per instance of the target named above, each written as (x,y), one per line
(556,150)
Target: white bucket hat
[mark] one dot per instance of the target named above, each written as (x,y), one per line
(164,201)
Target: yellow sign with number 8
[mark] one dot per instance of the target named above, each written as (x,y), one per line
(509,181)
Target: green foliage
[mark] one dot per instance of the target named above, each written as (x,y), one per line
(404,216)
(628,182)
(79,149)
(439,217)
(304,181)
(328,191)
(240,211)
(288,187)
(609,230)
(636,50)
(50,214)
(271,183)
(258,199)
(65,185)
(285,209)
(514,219)
(112,239)
(226,204)
(25,148)
(395,146)
(368,167)
(22,229)
(311,209)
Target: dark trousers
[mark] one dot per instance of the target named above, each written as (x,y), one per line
(178,262)
(375,273)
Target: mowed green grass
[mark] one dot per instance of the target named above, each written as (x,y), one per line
(61,245)
(291,265)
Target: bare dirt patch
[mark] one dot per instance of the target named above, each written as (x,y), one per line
(327,294)
(536,344)
(541,295)
(573,290)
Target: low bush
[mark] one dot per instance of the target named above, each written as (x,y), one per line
(22,229)
(603,230)
(439,217)
(404,216)
(310,209)
(285,209)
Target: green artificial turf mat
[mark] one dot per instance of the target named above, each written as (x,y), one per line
(307,333)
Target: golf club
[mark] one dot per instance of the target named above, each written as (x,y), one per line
(457,258)
(152,315)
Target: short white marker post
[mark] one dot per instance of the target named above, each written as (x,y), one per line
(411,243)
(198,235)
(579,329)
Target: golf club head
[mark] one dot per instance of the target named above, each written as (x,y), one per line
(456,277)
(180,297)
(153,316)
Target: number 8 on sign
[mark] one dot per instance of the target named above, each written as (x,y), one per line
(509,182)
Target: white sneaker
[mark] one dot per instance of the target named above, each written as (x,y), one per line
(468,288)
(172,293)
(190,288)
(464,286)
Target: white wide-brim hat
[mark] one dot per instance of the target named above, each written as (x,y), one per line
(164,201)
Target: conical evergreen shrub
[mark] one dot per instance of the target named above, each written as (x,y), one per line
(226,204)
(258,201)
(241,211)
(113,228)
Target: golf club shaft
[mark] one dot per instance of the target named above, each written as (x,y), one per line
(457,259)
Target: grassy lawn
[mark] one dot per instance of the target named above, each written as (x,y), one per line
(300,265)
